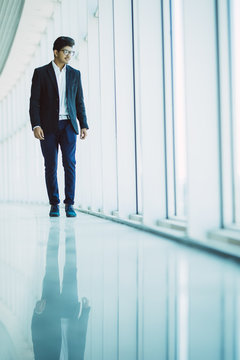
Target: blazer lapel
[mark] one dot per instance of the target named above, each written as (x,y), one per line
(52,76)
(68,79)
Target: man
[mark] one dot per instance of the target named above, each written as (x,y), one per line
(60,321)
(56,101)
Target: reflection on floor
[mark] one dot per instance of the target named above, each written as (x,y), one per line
(88,288)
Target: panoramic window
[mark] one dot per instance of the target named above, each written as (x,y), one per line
(178,126)
(235,80)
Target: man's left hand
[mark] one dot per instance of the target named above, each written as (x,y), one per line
(83,133)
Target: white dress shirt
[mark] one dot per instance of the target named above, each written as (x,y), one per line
(61,82)
(64,346)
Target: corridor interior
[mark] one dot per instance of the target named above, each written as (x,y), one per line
(91,288)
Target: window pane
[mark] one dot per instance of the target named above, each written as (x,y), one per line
(179,109)
(235,32)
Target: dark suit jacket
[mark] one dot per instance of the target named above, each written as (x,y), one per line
(47,337)
(44,101)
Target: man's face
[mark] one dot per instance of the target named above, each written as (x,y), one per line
(64,55)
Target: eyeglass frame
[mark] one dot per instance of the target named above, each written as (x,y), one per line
(66,52)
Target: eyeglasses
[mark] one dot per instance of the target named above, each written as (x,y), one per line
(66,52)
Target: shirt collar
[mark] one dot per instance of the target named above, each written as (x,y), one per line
(56,68)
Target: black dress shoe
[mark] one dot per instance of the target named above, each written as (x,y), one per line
(70,212)
(54,211)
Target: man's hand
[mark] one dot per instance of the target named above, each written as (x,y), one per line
(83,133)
(38,133)
(40,306)
(85,303)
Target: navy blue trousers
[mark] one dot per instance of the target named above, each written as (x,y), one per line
(66,138)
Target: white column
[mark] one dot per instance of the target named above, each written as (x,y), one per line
(95,180)
(124,107)
(151,108)
(168,108)
(202,117)
(108,116)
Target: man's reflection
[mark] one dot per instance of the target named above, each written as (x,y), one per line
(59,326)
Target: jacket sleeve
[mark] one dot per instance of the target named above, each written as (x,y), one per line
(82,331)
(80,107)
(77,334)
(34,109)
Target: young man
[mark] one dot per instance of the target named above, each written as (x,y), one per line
(56,101)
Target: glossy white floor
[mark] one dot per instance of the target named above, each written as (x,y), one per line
(149,298)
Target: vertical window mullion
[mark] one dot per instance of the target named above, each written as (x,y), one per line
(231,109)
(173,111)
(134,111)
(164,111)
(219,112)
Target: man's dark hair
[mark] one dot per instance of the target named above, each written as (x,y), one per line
(62,41)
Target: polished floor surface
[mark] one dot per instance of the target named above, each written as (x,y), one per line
(88,288)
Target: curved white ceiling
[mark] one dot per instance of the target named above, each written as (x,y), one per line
(32,24)
(10,14)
